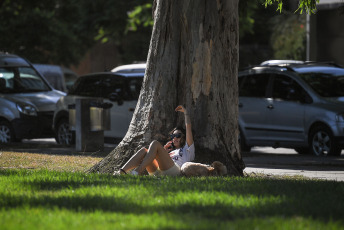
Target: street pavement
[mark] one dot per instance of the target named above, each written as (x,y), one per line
(261,160)
(281,161)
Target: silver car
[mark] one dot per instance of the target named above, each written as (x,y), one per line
(293,105)
(27,101)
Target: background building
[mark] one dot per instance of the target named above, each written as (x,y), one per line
(326,32)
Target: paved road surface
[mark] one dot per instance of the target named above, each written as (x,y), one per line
(260,160)
(283,161)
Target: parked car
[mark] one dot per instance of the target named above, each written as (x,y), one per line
(124,88)
(59,77)
(296,105)
(27,101)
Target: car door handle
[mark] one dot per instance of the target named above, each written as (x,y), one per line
(131,109)
(270,107)
(240,105)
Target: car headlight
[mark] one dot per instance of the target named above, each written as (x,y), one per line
(340,117)
(27,109)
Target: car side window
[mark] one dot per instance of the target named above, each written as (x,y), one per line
(87,86)
(99,86)
(135,87)
(6,80)
(254,85)
(287,89)
(112,85)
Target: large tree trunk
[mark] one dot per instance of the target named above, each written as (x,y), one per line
(193,61)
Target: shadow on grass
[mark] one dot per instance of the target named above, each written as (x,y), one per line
(322,200)
(211,212)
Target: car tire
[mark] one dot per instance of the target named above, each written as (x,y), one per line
(6,132)
(302,150)
(322,142)
(64,136)
(242,142)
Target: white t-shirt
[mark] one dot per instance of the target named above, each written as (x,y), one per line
(182,155)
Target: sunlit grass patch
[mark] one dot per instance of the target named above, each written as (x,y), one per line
(24,160)
(43,199)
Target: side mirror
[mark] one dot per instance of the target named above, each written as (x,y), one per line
(116,98)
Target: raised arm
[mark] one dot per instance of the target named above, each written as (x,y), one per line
(189,137)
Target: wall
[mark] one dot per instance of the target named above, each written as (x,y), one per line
(327,34)
(101,58)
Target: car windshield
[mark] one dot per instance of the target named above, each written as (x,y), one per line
(97,86)
(21,80)
(326,84)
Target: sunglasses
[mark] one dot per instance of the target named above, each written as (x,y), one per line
(177,135)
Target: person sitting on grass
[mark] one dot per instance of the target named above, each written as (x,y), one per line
(167,159)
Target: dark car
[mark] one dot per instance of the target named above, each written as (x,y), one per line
(297,105)
(124,88)
(27,102)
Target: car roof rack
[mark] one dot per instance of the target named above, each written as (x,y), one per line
(296,62)
(289,65)
(280,62)
(267,66)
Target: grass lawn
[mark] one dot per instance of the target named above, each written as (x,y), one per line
(59,195)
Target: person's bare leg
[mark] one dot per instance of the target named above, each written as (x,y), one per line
(135,160)
(156,151)
(151,168)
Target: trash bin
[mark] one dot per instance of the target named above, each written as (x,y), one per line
(72,117)
(100,118)
(89,118)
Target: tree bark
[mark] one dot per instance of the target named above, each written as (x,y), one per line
(192,61)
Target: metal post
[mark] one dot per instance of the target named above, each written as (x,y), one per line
(308,30)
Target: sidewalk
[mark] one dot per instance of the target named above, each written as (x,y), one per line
(315,173)
(281,161)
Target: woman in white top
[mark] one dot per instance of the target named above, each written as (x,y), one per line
(167,159)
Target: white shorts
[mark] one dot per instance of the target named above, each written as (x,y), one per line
(173,171)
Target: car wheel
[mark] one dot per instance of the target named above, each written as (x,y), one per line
(243,146)
(64,136)
(322,142)
(302,150)
(6,132)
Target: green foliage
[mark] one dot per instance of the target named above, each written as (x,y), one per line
(43,31)
(288,38)
(140,15)
(308,5)
(61,200)
(271,2)
(304,5)
(61,31)
(247,10)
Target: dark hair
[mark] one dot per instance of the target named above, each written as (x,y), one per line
(183,137)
